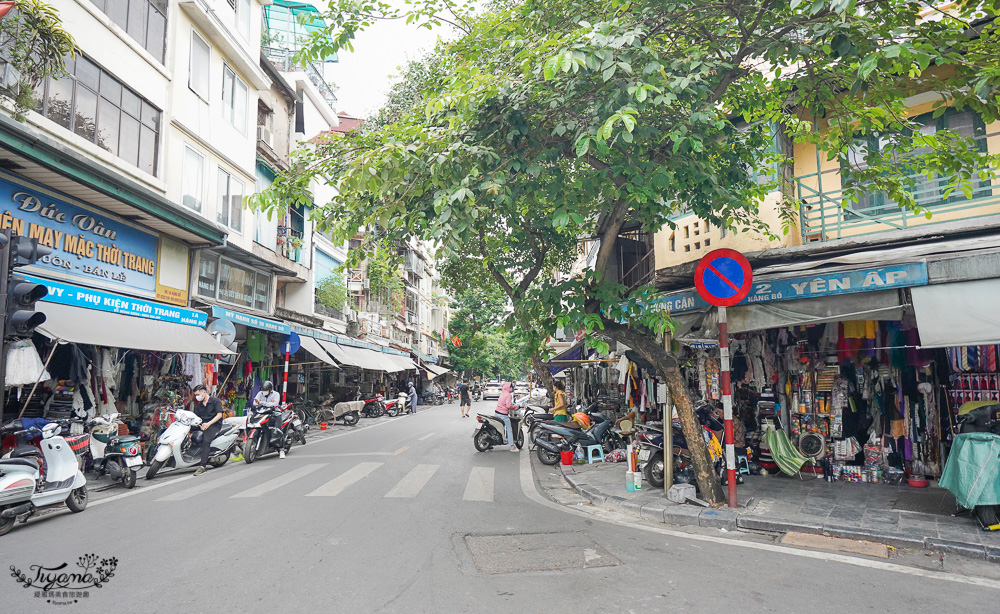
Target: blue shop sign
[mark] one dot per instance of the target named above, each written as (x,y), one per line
(813,286)
(75,296)
(251,321)
(97,248)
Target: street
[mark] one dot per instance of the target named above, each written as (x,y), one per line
(405,516)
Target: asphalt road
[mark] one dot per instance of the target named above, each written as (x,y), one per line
(406,516)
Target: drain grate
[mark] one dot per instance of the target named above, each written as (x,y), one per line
(500,554)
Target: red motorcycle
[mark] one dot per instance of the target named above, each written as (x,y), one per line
(374,407)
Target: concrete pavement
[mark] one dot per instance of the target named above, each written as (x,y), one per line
(461,532)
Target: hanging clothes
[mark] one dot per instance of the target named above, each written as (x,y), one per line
(24,365)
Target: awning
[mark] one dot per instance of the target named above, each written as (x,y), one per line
(313,347)
(577,352)
(958,314)
(352,356)
(433,370)
(395,363)
(79,325)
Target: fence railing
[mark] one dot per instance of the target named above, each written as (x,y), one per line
(826,215)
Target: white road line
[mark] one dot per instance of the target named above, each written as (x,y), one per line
(278,482)
(343,454)
(414,481)
(335,486)
(194,491)
(480,486)
(529,490)
(427,436)
(142,489)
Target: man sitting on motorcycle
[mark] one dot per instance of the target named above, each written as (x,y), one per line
(268,397)
(209,409)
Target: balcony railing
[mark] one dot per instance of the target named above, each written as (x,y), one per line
(290,243)
(824,215)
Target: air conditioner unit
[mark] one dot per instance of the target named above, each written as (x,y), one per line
(264,134)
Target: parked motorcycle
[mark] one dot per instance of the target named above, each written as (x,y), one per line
(176,449)
(270,429)
(374,407)
(397,406)
(556,437)
(116,455)
(981,417)
(25,486)
(431,398)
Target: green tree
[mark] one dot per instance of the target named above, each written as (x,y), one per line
(546,122)
(332,292)
(32,41)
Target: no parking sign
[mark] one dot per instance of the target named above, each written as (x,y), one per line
(723,277)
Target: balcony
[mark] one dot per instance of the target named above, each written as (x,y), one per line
(290,243)
(825,216)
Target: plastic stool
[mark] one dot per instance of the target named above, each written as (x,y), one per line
(595,452)
(742,465)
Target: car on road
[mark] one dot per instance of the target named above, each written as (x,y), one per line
(521,389)
(491,390)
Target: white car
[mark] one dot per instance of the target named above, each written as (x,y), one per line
(521,389)
(491,390)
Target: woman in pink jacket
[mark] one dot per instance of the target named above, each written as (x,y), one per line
(505,404)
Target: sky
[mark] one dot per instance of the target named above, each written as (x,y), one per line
(363,77)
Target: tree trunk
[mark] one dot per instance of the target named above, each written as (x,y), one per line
(665,364)
(544,374)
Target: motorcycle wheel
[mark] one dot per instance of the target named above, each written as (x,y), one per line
(250,451)
(154,467)
(653,471)
(219,460)
(482,441)
(302,437)
(300,414)
(6,524)
(326,415)
(613,441)
(544,456)
(129,477)
(77,500)
(519,439)
(350,419)
(393,411)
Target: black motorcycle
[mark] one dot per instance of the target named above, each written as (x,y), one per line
(552,437)
(982,417)
(271,429)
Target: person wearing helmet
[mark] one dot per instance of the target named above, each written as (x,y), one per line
(268,396)
(504,406)
(413,397)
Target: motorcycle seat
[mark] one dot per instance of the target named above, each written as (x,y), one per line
(19,462)
(128,439)
(25,451)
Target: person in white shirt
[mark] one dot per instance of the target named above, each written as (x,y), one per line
(268,397)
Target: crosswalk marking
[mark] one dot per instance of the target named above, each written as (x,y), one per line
(427,436)
(414,481)
(480,486)
(335,486)
(194,491)
(278,482)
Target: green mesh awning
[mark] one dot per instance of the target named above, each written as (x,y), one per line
(289,24)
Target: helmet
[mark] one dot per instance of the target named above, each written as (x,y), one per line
(267,386)
(582,419)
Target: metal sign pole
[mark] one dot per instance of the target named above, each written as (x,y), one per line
(727,406)
(284,385)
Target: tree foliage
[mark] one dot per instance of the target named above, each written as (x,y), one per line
(545,122)
(33,41)
(332,291)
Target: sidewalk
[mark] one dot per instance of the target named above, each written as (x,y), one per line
(900,516)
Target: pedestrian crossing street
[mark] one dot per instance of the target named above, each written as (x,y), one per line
(479,487)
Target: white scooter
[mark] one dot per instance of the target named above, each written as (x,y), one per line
(23,488)
(175,450)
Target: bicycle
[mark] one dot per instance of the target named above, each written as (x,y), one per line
(309,414)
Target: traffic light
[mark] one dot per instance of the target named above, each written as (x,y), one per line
(21,317)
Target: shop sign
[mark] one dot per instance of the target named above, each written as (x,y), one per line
(814,286)
(251,321)
(85,245)
(75,296)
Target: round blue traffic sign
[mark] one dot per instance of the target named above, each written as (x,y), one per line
(723,277)
(293,342)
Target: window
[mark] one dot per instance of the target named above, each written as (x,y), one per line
(144,20)
(687,232)
(99,108)
(198,65)
(230,210)
(242,12)
(193,186)
(231,282)
(673,242)
(234,100)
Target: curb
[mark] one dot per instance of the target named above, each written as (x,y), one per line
(730,520)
